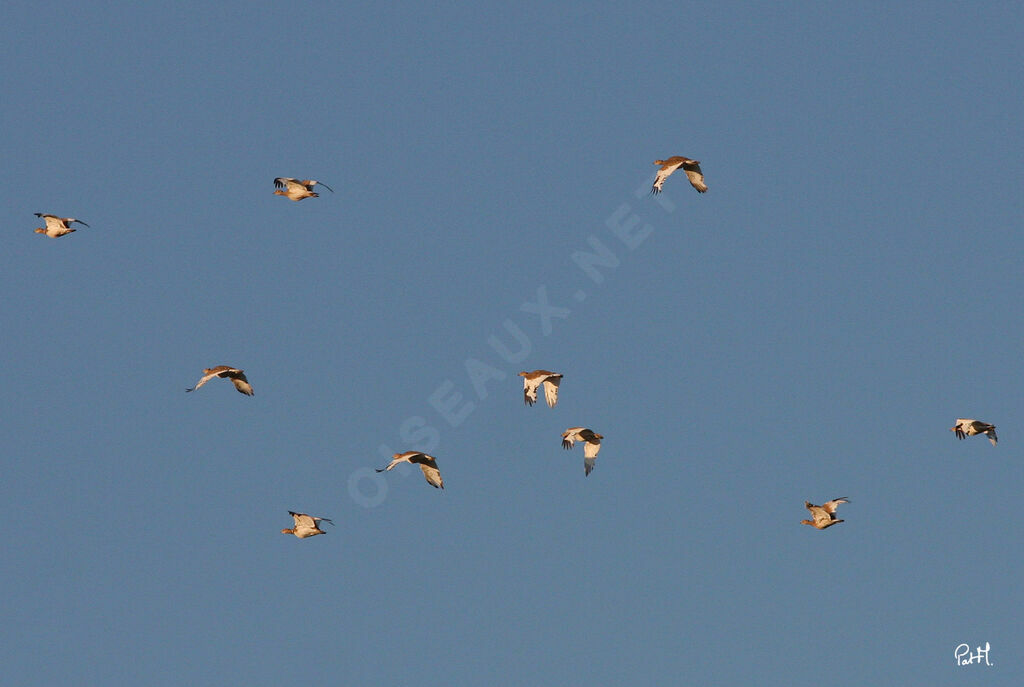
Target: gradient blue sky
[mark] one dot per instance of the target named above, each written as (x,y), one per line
(808,329)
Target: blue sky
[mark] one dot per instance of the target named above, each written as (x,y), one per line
(810,328)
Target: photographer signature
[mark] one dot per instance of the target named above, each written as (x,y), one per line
(964,650)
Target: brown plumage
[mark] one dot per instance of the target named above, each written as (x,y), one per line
(825,514)
(691,167)
(236,376)
(296,189)
(305,525)
(591,445)
(533,380)
(967,427)
(428,464)
(57,226)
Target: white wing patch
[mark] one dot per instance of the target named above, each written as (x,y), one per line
(530,390)
(550,391)
(428,464)
(54,223)
(663,173)
(433,475)
(243,386)
(202,381)
(591,445)
(590,450)
(697,179)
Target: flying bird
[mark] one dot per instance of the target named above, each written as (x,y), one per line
(57,226)
(533,380)
(427,463)
(825,514)
(966,427)
(236,376)
(296,189)
(691,167)
(305,525)
(590,448)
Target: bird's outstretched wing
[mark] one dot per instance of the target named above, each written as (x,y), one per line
(696,177)
(551,390)
(428,464)
(664,173)
(203,380)
(310,183)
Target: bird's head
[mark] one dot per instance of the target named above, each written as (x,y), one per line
(287,531)
(659,162)
(598,436)
(40,230)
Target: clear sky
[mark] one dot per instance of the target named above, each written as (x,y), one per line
(808,329)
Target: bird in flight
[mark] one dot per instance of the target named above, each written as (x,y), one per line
(825,514)
(236,376)
(305,525)
(57,226)
(691,167)
(427,463)
(592,444)
(297,189)
(533,380)
(966,427)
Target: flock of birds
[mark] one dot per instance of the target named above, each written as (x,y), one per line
(823,516)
